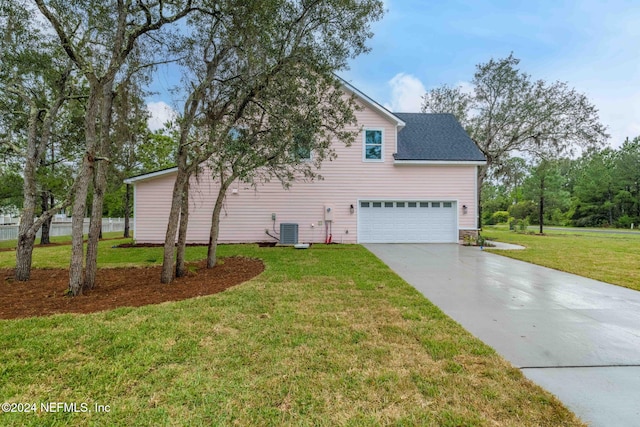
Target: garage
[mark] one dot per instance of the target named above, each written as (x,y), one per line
(383,221)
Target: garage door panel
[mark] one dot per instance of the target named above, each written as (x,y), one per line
(407,222)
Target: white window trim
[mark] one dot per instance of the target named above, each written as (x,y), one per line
(364,146)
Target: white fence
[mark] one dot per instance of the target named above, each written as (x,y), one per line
(63,228)
(8,219)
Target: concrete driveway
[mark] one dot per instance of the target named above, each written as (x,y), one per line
(576,337)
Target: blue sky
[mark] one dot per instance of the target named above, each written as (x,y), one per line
(592,45)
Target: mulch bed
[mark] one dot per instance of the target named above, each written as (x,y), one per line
(44,294)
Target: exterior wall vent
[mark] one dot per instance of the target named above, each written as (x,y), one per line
(288,234)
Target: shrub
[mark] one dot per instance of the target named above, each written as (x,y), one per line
(625,221)
(521,210)
(523,224)
(500,217)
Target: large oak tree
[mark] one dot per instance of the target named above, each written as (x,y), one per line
(263,87)
(37,84)
(99,36)
(508,112)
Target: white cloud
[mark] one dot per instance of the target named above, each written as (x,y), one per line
(465,87)
(621,116)
(406,93)
(160,112)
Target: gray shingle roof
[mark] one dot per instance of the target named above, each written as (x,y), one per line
(436,137)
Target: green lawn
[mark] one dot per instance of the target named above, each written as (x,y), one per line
(56,239)
(58,256)
(609,257)
(325,336)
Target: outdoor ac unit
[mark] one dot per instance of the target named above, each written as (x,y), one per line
(288,234)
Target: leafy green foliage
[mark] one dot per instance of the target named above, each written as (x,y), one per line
(545,187)
(601,188)
(135,149)
(494,198)
(509,111)
(607,187)
(261,85)
(500,217)
(11,196)
(522,210)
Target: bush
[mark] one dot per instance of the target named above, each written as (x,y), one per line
(487,218)
(522,210)
(500,217)
(519,225)
(625,221)
(523,224)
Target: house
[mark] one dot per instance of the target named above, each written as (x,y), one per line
(409,177)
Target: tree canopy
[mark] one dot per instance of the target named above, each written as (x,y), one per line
(601,188)
(508,112)
(260,87)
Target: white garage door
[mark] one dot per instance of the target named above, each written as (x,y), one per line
(407,222)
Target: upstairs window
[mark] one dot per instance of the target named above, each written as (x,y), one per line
(373,142)
(303,152)
(302,147)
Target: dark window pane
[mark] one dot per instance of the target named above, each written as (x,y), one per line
(373,152)
(304,153)
(373,137)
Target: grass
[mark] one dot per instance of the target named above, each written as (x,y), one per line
(608,257)
(58,256)
(325,336)
(57,239)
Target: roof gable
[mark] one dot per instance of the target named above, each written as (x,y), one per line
(435,137)
(394,118)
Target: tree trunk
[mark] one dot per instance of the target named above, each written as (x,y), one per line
(611,204)
(482,173)
(181,270)
(76,272)
(541,207)
(127,209)
(215,223)
(46,226)
(172,226)
(23,256)
(76,276)
(182,180)
(24,250)
(36,145)
(99,187)
(25,237)
(95,227)
(638,199)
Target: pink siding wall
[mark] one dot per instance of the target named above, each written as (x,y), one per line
(348,179)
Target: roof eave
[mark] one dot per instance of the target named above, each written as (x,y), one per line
(150,175)
(441,162)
